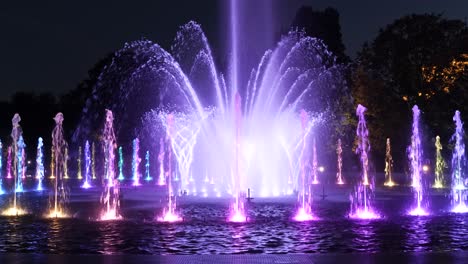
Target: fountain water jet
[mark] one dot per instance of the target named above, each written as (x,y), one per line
(87,158)
(339,153)
(147,167)
(162,178)
(60,194)
(93,161)
(40,164)
(388,165)
(2,191)
(78,161)
(415,157)
(314,163)
(440,165)
(304,212)
(9,163)
(121,162)
(361,202)
(459,189)
(169,213)
(110,198)
(136,162)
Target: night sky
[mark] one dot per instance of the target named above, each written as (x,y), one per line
(48,46)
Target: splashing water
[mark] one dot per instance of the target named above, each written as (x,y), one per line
(52,164)
(147,167)
(388,165)
(339,153)
(361,202)
(60,195)
(2,191)
(17,153)
(169,213)
(162,178)
(304,212)
(9,163)
(21,157)
(314,164)
(459,193)
(40,164)
(78,161)
(136,162)
(415,158)
(440,165)
(121,163)
(110,198)
(65,163)
(87,159)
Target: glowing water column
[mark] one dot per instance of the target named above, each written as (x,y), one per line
(110,198)
(304,212)
(9,163)
(415,158)
(314,164)
(237,212)
(40,164)
(93,161)
(162,178)
(339,153)
(16,136)
(21,157)
(121,162)
(58,206)
(169,212)
(440,165)
(361,199)
(388,165)
(147,167)
(1,166)
(78,161)
(136,162)
(459,188)
(87,158)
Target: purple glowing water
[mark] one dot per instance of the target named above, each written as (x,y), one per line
(136,162)
(459,193)
(304,212)
(40,164)
(361,199)
(110,198)
(87,159)
(415,158)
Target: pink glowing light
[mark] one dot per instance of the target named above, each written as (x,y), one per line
(365,214)
(86,185)
(460,208)
(169,217)
(418,211)
(237,217)
(110,215)
(303,215)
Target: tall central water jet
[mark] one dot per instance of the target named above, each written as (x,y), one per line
(440,165)
(169,212)
(110,198)
(305,197)
(459,188)
(121,163)
(39,164)
(162,178)
(237,213)
(361,202)
(136,162)
(339,153)
(16,136)
(147,167)
(59,145)
(415,158)
(87,156)
(388,165)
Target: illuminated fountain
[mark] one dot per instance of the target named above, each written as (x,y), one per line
(440,165)
(459,180)
(9,163)
(415,158)
(314,164)
(121,162)
(60,193)
(388,165)
(162,178)
(147,167)
(304,212)
(16,152)
(52,164)
(339,153)
(93,161)
(110,198)
(2,191)
(361,199)
(136,162)
(21,157)
(169,213)
(87,156)
(78,161)
(40,164)
(65,163)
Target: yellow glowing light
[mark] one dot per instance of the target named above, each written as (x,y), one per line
(14,211)
(390,183)
(57,214)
